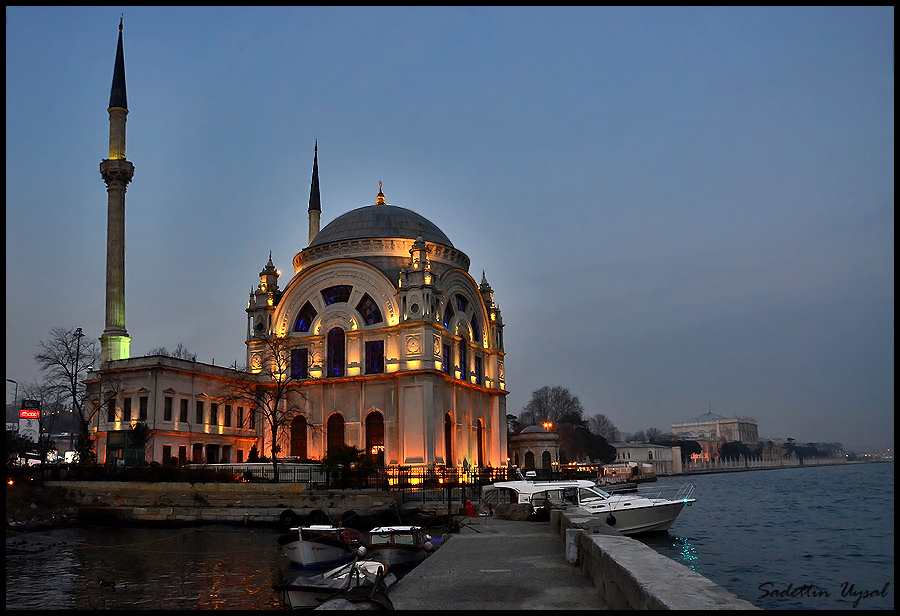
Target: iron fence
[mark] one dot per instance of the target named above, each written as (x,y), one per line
(415,484)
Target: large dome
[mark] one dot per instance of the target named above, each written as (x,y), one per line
(380,221)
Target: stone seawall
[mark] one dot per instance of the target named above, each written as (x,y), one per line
(188,503)
(629,575)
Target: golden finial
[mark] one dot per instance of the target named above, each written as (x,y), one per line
(380,200)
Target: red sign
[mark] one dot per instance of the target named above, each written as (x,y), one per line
(29,414)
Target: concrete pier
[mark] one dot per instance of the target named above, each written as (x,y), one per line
(497,564)
(572,562)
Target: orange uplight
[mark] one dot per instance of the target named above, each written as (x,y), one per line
(548,425)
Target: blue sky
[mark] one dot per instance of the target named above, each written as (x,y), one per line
(678,209)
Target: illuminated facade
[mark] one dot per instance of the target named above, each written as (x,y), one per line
(394,348)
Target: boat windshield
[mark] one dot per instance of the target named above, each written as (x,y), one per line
(586,495)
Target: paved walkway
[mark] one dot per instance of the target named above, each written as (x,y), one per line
(497,564)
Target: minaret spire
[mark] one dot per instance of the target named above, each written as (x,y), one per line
(117,173)
(315,199)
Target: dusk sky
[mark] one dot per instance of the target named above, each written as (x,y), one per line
(679,209)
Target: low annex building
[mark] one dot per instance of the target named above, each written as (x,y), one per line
(534,447)
(389,345)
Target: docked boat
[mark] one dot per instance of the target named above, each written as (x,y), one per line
(310,591)
(629,513)
(399,546)
(320,546)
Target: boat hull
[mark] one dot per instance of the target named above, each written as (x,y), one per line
(657,518)
(315,548)
(398,556)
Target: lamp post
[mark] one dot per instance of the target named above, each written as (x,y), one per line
(15,400)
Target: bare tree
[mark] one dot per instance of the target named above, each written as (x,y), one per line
(180,352)
(554,404)
(64,359)
(603,425)
(273,390)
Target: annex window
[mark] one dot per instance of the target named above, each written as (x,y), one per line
(298,437)
(336,352)
(167,454)
(375,438)
(214,414)
(337,294)
(304,321)
(479,440)
(184,410)
(369,310)
(167,410)
(299,363)
(375,357)
(111,409)
(448,440)
(335,438)
(126,409)
(227,415)
(240,417)
(142,408)
(199,417)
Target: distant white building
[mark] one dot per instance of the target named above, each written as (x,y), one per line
(666,460)
(710,425)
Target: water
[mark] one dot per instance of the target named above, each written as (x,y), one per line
(208,567)
(823,526)
(757,533)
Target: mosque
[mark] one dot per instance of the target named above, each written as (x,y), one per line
(381,340)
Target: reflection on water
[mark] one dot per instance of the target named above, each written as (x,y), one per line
(829,529)
(209,567)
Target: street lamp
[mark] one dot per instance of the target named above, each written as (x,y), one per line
(16,399)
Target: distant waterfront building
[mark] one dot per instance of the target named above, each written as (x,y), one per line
(712,426)
(665,460)
(534,447)
(390,346)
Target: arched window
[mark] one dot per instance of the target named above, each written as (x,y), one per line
(476,331)
(336,352)
(462,303)
(545,460)
(337,294)
(375,437)
(448,440)
(369,310)
(305,319)
(335,436)
(298,437)
(516,459)
(479,439)
(529,460)
(649,455)
(448,315)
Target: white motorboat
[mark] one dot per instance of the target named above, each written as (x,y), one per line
(311,591)
(320,546)
(399,546)
(629,513)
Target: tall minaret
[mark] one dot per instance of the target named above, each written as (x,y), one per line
(117,172)
(315,200)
